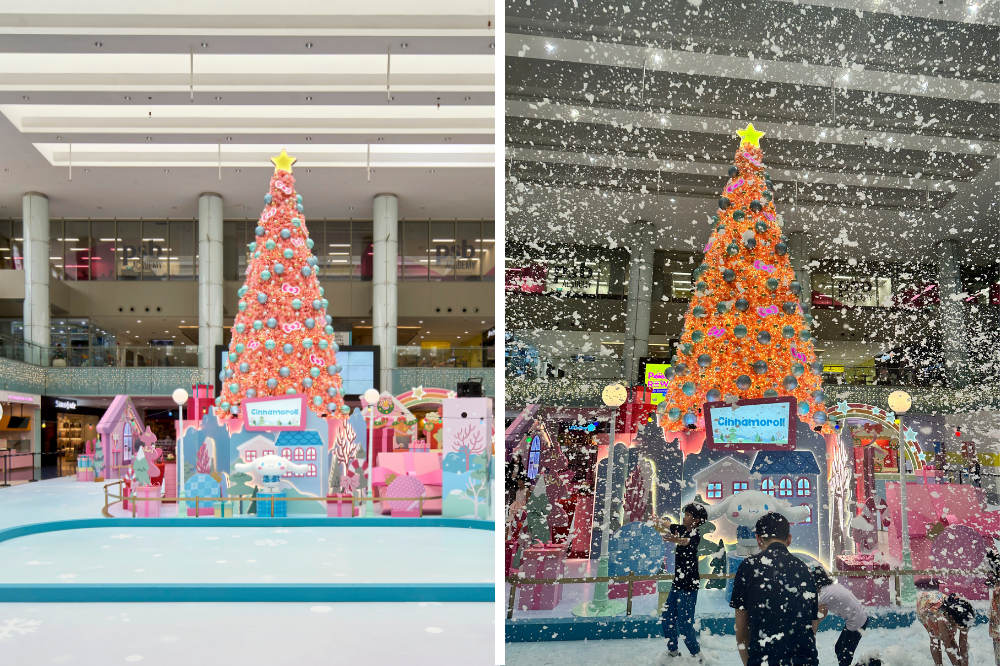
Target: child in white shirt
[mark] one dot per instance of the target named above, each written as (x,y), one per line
(837,599)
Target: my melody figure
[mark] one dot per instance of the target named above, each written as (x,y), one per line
(745,508)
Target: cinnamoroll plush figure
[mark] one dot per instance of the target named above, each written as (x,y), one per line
(744,509)
(271,468)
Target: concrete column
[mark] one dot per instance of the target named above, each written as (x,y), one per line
(209,283)
(384,257)
(951,317)
(640,290)
(36,277)
(798,254)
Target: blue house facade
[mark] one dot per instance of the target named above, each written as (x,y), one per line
(304,447)
(792,476)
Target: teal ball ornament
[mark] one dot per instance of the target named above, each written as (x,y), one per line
(310,322)
(268,199)
(258,325)
(265,275)
(269,345)
(673,414)
(240,328)
(307,343)
(270,244)
(296,304)
(772,284)
(309,243)
(288,253)
(314,372)
(261,297)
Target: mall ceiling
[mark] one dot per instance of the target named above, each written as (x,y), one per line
(148,105)
(882,119)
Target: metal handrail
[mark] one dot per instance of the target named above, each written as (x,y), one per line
(249,498)
(516,581)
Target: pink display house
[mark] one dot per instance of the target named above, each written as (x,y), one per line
(147,509)
(541,562)
(119,429)
(425,467)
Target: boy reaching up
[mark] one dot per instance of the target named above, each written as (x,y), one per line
(678,612)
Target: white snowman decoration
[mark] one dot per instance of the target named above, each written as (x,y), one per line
(271,468)
(745,508)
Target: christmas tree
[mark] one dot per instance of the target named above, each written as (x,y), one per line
(744,334)
(282,338)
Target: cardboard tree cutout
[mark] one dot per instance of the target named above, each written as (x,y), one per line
(141,467)
(715,552)
(99,463)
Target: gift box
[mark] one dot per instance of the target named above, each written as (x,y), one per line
(341,509)
(870,591)
(541,562)
(280,508)
(420,446)
(223,510)
(150,509)
(426,467)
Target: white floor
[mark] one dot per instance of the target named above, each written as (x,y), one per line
(908,646)
(428,634)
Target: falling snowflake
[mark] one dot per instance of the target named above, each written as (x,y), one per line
(122,536)
(66,576)
(22,627)
(271,542)
(280,531)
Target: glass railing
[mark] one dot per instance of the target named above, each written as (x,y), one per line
(99,357)
(458,357)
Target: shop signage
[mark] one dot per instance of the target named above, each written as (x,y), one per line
(65,404)
(275,414)
(657,382)
(17,397)
(765,424)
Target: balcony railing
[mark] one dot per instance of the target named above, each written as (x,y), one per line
(99,357)
(458,357)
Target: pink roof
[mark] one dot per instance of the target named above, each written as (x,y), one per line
(115,413)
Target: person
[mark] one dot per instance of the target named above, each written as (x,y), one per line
(993,582)
(947,621)
(774,595)
(678,611)
(837,599)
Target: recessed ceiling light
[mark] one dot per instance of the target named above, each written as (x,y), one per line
(447,138)
(58,138)
(229,138)
(403,45)
(493,45)
(24,97)
(98,44)
(421,321)
(467,99)
(309,45)
(239,171)
(308,99)
(309,170)
(204,45)
(100,208)
(350,208)
(381,138)
(87,170)
(432,170)
(149,138)
(309,138)
(127,98)
(166,171)
(218,97)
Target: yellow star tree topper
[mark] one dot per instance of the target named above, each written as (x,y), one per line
(749,135)
(284,161)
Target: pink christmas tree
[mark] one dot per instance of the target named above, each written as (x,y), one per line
(282,339)
(204,464)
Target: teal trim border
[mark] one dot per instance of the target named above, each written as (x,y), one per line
(206,593)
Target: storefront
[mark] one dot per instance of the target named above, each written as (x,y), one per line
(66,428)
(18,435)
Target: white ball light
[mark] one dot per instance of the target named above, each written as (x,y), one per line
(899,401)
(180,396)
(371,396)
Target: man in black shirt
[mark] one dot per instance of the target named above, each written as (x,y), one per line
(777,608)
(678,612)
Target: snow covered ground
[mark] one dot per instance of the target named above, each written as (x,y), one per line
(907,646)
